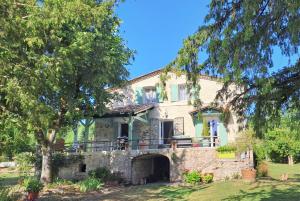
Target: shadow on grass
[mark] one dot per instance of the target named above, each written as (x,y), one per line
(179,193)
(283,191)
(8,181)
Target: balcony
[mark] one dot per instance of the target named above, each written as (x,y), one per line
(139,144)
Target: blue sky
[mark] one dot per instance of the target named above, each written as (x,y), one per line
(155,29)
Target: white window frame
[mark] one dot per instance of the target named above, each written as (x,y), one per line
(152,100)
(186,93)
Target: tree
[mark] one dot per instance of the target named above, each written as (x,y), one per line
(240,37)
(283,140)
(58,58)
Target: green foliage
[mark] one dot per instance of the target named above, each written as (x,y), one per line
(226,148)
(32,185)
(282,142)
(240,42)
(207,178)
(90,184)
(57,67)
(25,162)
(192,177)
(205,129)
(105,175)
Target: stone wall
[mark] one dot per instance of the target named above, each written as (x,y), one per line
(198,158)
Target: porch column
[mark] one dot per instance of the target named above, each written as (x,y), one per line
(130,129)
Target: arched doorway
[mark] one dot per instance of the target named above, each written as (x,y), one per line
(150,168)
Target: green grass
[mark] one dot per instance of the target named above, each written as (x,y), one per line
(276,170)
(8,179)
(265,189)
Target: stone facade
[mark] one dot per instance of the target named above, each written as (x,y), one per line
(134,167)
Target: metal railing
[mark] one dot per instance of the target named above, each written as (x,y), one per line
(142,144)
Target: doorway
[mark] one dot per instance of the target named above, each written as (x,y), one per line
(123,130)
(166,131)
(150,168)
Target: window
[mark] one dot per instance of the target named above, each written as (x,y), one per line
(182,92)
(82,167)
(150,95)
(124,130)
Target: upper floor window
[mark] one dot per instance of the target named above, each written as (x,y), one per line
(150,95)
(182,92)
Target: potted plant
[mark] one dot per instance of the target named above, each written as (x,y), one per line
(226,152)
(249,174)
(32,186)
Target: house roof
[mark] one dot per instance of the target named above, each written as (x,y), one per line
(159,71)
(126,111)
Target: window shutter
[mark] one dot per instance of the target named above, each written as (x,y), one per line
(116,130)
(198,127)
(179,126)
(139,95)
(222,134)
(159,97)
(174,92)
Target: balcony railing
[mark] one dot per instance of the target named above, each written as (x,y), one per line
(142,144)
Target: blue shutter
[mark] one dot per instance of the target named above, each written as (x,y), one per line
(198,127)
(139,95)
(159,98)
(223,134)
(174,92)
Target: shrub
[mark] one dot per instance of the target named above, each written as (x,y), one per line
(90,184)
(226,148)
(105,175)
(100,173)
(25,161)
(192,177)
(207,178)
(262,169)
(32,185)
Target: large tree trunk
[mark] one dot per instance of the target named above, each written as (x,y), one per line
(46,174)
(46,142)
(291,160)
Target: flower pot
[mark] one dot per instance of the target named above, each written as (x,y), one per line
(143,145)
(195,145)
(226,155)
(32,196)
(249,174)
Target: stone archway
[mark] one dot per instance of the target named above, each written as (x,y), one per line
(149,168)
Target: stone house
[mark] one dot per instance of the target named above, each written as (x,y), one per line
(147,137)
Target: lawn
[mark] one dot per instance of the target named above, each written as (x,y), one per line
(271,188)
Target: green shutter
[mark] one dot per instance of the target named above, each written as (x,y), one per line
(223,134)
(174,92)
(198,127)
(115,130)
(139,95)
(192,92)
(159,97)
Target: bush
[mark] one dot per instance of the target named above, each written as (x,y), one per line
(262,169)
(105,175)
(100,173)
(226,148)
(32,185)
(192,177)
(90,184)
(25,161)
(207,178)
